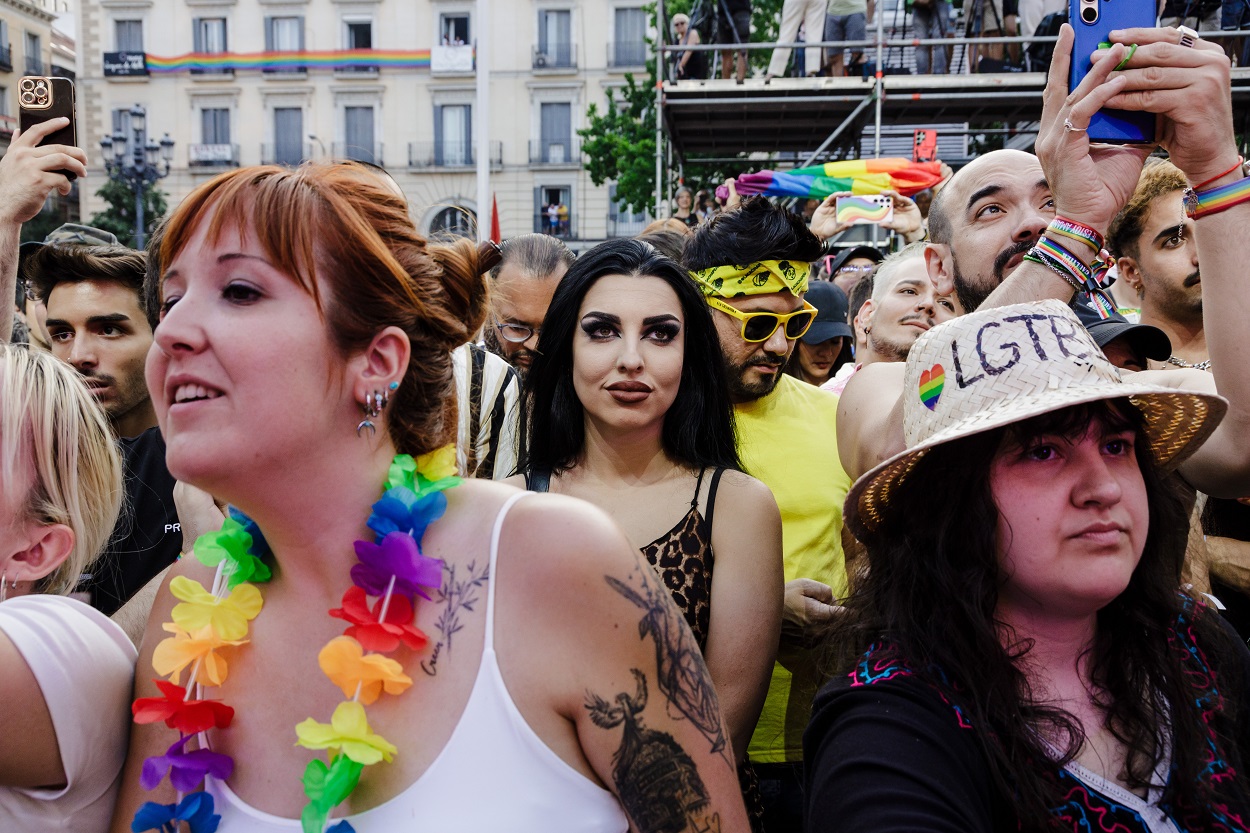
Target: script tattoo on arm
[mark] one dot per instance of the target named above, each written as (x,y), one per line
(681,673)
(456,595)
(656,781)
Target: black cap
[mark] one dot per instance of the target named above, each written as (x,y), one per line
(831,309)
(1150,341)
(843,256)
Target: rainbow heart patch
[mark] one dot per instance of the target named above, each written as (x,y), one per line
(931,382)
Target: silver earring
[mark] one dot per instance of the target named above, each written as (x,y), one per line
(373,405)
(4,586)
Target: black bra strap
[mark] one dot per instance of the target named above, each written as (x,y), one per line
(698,487)
(711,497)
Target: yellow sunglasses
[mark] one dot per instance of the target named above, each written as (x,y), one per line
(760,326)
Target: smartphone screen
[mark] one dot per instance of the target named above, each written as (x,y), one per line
(1092,21)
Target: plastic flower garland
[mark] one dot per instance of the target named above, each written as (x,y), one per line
(391,568)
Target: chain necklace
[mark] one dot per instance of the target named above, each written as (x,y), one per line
(1179,362)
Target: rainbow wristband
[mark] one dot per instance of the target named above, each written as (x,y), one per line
(1214,200)
(1077,231)
(1045,259)
(1080,271)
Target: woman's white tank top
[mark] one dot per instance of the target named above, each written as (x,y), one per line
(494,774)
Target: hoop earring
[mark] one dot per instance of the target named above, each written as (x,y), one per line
(4,586)
(373,405)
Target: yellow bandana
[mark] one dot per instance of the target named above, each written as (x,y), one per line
(761,278)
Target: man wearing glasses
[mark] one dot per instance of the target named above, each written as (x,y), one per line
(521,288)
(752,266)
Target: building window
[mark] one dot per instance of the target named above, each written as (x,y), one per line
(121,122)
(4,101)
(128,35)
(621,221)
(453,135)
(34,55)
(358,34)
(288,136)
(555,144)
(210,35)
(453,29)
(629,45)
(358,135)
(555,43)
(215,126)
(553,210)
(455,220)
(284,34)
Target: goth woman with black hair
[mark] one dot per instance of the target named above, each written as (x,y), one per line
(1020,654)
(627,407)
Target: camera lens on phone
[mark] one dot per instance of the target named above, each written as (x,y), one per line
(1089,14)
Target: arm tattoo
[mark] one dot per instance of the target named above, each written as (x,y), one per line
(458,594)
(656,781)
(680,672)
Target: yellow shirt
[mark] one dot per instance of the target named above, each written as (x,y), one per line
(788,439)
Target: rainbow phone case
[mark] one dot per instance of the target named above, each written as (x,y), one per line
(869,208)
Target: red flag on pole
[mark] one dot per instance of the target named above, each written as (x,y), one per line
(495,236)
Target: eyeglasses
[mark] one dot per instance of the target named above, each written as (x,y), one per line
(760,326)
(516,333)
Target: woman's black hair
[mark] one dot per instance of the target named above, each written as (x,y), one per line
(698,428)
(931,591)
(755,230)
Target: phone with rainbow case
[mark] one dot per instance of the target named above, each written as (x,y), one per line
(873,209)
(1093,21)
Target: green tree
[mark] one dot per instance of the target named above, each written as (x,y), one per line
(119,217)
(619,140)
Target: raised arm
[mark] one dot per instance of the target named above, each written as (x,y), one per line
(746,601)
(28,173)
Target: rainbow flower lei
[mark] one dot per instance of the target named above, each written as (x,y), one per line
(206,625)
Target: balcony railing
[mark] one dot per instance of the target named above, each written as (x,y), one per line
(361,153)
(626,225)
(367,70)
(34,66)
(565,229)
(6,58)
(561,152)
(285,153)
(451,59)
(555,56)
(450,155)
(210,155)
(295,69)
(627,54)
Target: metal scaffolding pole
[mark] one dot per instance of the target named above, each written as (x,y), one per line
(661,25)
(846,122)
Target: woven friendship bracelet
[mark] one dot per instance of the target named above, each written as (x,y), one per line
(1083,273)
(1214,200)
(1077,231)
(1045,259)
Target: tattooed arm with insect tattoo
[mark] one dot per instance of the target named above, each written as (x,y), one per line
(620,668)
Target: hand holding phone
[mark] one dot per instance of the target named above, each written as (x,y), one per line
(1093,22)
(41,99)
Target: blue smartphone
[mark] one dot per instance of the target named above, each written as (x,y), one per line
(1093,21)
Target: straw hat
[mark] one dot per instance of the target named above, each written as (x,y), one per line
(999,366)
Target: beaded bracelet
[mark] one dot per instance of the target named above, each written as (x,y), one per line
(1084,274)
(1076,231)
(1214,200)
(1036,255)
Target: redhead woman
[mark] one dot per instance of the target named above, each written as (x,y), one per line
(1021,654)
(371,644)
(65,668)
(627,407)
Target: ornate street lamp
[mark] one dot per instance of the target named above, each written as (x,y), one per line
(137,161)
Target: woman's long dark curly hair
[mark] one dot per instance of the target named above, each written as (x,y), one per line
(931,590)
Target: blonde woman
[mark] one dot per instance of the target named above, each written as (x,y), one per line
(65,669)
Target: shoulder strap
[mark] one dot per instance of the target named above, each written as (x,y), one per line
(711,496)
(698,487)
(494,560)
(538,480)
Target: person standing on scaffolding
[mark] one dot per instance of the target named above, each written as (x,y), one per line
(733,26)
(688,64)
(931,19)
(809,13)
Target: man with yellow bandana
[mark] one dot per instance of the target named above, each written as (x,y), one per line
(752,266)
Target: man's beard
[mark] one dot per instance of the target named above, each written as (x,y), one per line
(970,296)
(742,391)
(1179,305)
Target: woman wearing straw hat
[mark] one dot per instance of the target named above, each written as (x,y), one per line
(1020,654)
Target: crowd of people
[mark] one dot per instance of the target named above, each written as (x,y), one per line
(850,21)
(981,513)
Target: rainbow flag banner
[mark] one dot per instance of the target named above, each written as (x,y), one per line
(859,176)
(261,61)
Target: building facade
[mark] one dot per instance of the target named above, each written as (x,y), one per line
(25,49)
(243,82)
